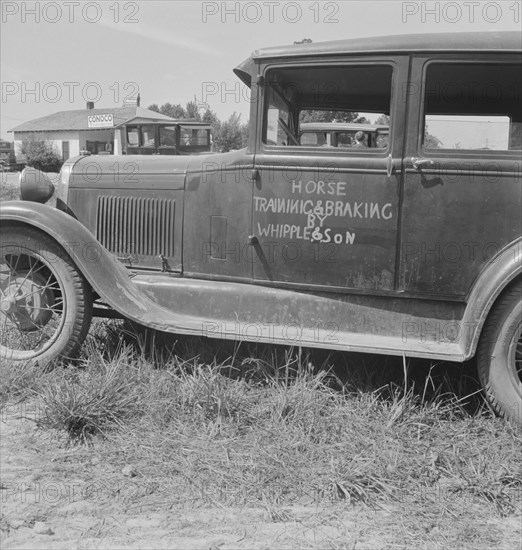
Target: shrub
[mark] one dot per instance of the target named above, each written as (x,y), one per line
(41,155)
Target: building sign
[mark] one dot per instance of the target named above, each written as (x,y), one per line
(100,121)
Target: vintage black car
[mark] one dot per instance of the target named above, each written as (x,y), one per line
(413,248)
(183,137)
(339,134)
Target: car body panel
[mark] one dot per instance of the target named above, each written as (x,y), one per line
(462,209)
(352,322)
(186,244)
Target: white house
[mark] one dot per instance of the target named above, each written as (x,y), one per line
(94,130)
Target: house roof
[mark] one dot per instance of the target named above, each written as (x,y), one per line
(183,122)
(77,120)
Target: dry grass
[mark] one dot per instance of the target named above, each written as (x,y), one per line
(277,428)
(9,186)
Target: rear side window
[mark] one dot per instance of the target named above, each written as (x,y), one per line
(167,136)
(194,136)
(473,106)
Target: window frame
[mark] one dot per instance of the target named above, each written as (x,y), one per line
(133,129)
(142,136)
(66,145)
(162,145)
(392,62)
(500,59)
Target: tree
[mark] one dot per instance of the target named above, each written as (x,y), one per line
(192,111)
(384,120)
(41,154)
(331,116)
(173,111)
(231,134)
(210,117)
(228,135)
(168,109)
(430,141)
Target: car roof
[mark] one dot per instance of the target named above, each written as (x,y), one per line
(339,127)
(503,42)
(462,42)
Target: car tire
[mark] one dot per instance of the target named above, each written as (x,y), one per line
(500,355)
(46,304)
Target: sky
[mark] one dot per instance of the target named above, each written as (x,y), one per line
(57,55)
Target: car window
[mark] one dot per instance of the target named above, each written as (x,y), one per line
(358,95)
(277,117)
(133,136)
(148,136)
(314,139)
(193,136)
(167,136)
(473,106)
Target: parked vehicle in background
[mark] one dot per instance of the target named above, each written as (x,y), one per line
(7,157)
(183,138)
(339,134)
(412,247)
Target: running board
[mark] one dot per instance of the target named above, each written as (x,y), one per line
(255,313)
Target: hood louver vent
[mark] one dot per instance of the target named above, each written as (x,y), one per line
(137,226)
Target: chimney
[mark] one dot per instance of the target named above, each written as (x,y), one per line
(138,99)
(90,105)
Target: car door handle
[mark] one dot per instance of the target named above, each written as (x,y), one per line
(389,166)
(420,163)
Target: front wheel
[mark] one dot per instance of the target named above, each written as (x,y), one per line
(500,355)
(45,304)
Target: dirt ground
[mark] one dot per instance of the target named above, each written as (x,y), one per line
(54,496)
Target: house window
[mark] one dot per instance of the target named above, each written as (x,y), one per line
(65,150)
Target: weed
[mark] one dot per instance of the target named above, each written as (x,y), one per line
(270,426)
(87,402)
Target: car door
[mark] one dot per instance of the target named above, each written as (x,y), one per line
(218,217)
(324,216)
(462,170)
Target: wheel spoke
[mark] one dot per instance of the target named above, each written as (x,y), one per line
(28,340)
(39,290)
(36,317)
(38,298)
(29,272)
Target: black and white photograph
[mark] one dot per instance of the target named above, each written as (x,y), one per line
(260,275)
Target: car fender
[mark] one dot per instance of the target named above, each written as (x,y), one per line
(501,270)
(106,275)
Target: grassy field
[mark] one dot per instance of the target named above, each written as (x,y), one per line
(333,450)
(9,186)
(219,426)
